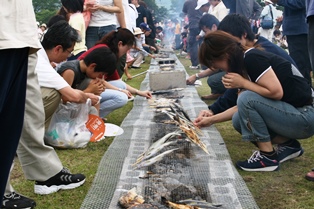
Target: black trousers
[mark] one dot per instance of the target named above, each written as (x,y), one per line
(298,50)
(13,76)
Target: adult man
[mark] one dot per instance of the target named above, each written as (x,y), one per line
(18,46)
(296,30)
(40,162)
(194,16)
(270,12)
(207,24)
(248,8)
(142,16)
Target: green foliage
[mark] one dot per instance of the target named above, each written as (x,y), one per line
(45,9)
(51,5)
(44,15)
(151,4)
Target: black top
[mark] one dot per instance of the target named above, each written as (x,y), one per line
(73,65)
(141,14)
(297,91)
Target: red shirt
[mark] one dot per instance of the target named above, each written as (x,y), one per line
(115,75)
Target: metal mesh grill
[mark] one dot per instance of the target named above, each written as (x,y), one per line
(187,173)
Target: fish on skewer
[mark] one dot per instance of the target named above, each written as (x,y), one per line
(161,141)
(200,203)
(154,159)
(153,152)
(194,137)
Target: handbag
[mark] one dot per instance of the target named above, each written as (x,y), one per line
(267,22)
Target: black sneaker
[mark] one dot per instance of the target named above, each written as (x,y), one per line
(17,201)
(286,153)
(258,162)
(62,180)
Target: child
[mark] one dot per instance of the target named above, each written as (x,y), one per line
(138,51)
(96,65)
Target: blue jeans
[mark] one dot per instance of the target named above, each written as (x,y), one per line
(193,45)
(215,83)
(260,119)
(112,99)
(94,34)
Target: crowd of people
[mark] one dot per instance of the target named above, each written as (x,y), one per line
(83,51)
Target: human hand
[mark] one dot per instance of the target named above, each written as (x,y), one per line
(126,92)
(191,80)
(232,80)
(205,113)
(94,98)
(96,86)
(146,94)
(203,122)
(94,8)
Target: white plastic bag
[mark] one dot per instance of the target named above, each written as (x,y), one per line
(67,128)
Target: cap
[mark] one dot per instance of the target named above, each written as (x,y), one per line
(200,3)
(144,26)
(269,1)
(43,25)
(137,31)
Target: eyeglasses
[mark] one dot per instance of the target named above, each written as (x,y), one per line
(70,52)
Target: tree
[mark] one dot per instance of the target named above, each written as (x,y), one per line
(45,9)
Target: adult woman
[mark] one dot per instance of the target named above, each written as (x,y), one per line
(277,104)
(74,9)
(117,92)
(103,20)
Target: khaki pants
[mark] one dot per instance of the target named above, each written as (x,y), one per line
(39,161)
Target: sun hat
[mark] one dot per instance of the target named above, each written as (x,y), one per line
(200,3)
(144,26)
(43,25)
(137,31)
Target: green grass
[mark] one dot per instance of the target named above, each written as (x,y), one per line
(285,189)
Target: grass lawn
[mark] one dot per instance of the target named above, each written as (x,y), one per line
(283,189)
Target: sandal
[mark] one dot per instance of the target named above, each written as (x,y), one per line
(310,175)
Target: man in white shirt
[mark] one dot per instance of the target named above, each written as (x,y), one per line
(39,161)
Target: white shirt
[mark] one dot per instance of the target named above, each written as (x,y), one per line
(47,75)
(133,15)
(101,18)
(18,25)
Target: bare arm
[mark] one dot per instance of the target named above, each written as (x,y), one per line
(205,73)
(218,118)
(120,16)
(72,95)
(267,85)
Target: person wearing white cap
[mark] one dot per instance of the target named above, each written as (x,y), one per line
(138,52)
(268,11)
(202,3)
